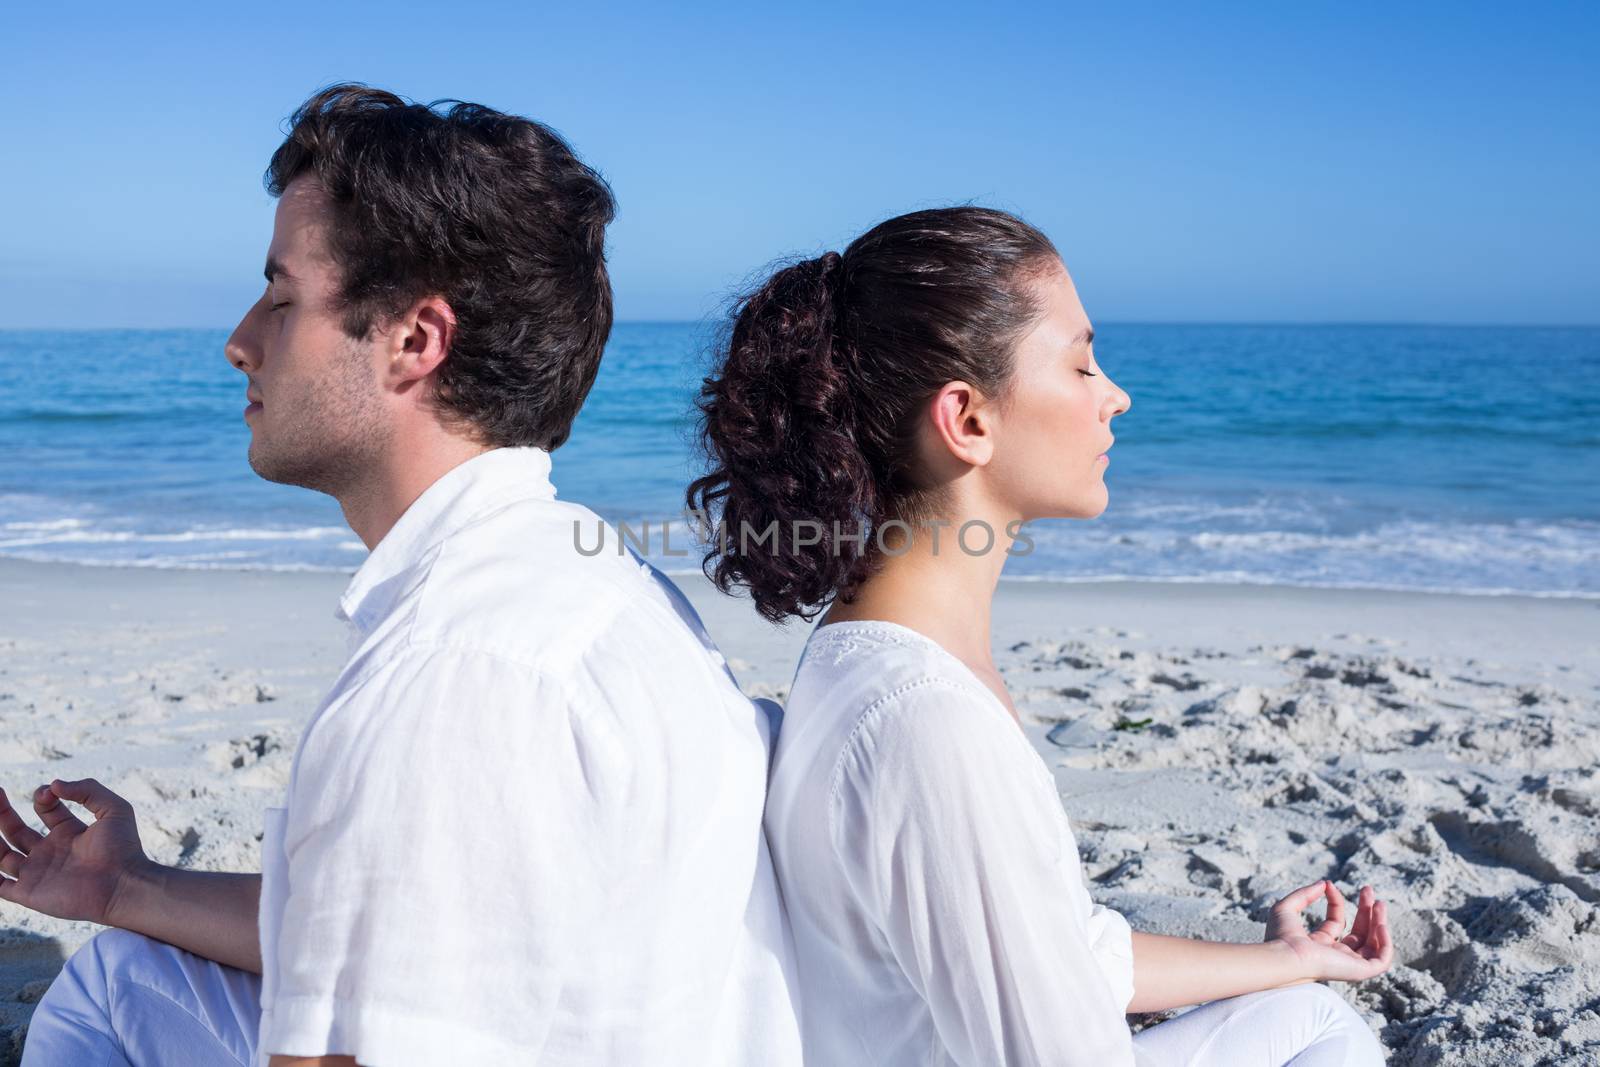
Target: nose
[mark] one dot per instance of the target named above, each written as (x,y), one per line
(1120,401)
(243,349)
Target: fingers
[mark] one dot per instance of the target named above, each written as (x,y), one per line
(101,801)
(1375,955)
(11,863)
(1361,928)
(1378,950)
(18,834)
(50,809)
(1333,925)
(1300,898)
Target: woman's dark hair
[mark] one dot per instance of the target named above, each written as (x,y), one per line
(809,415)
(493,213)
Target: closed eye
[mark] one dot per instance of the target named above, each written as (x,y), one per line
(1088,374)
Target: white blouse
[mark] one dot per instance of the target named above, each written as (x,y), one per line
(932,880)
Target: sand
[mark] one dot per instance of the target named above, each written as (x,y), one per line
(1442,748)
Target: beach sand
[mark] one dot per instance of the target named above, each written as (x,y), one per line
(1442,748)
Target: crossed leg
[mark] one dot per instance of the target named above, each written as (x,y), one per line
(125,1000)
(1298,1026)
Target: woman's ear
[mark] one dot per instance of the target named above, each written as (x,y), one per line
(963,423)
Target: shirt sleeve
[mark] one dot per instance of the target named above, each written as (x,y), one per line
(938,817)
(423,918)
(1111,940)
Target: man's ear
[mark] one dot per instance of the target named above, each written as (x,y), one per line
(420,342)
(962,422)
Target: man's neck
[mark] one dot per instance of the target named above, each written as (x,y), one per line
(396,482)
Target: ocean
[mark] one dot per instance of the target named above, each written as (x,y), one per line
(1401,457)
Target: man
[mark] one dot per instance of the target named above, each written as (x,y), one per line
(593,886)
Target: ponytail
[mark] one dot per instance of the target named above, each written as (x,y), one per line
(810,415)
(778,417)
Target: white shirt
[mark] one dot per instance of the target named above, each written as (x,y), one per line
(931,877)
(524,827)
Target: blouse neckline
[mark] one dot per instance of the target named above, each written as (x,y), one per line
(899,633)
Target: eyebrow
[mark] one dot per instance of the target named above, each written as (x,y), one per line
(1085,336)
(274,270)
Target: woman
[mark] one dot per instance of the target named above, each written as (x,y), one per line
(880,423)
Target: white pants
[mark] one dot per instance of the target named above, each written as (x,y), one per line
(1298,1026)
(124,1000)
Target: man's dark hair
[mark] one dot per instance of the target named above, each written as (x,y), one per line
(493,213)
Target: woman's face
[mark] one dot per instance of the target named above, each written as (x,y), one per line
(1053,430)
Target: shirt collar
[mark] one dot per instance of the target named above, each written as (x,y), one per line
(486,481)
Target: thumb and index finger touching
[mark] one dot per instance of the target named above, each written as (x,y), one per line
(100,801)
(48,806)
(1302,898)
(1370,918)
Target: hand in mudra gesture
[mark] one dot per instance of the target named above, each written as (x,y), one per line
(74,870)
(1327,951)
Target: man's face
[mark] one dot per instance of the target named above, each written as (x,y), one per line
(317,415)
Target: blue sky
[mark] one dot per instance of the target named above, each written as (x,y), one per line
(1336,162)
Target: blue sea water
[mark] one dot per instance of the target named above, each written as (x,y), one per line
(1430,458)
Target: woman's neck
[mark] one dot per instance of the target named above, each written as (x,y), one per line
(944,591)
